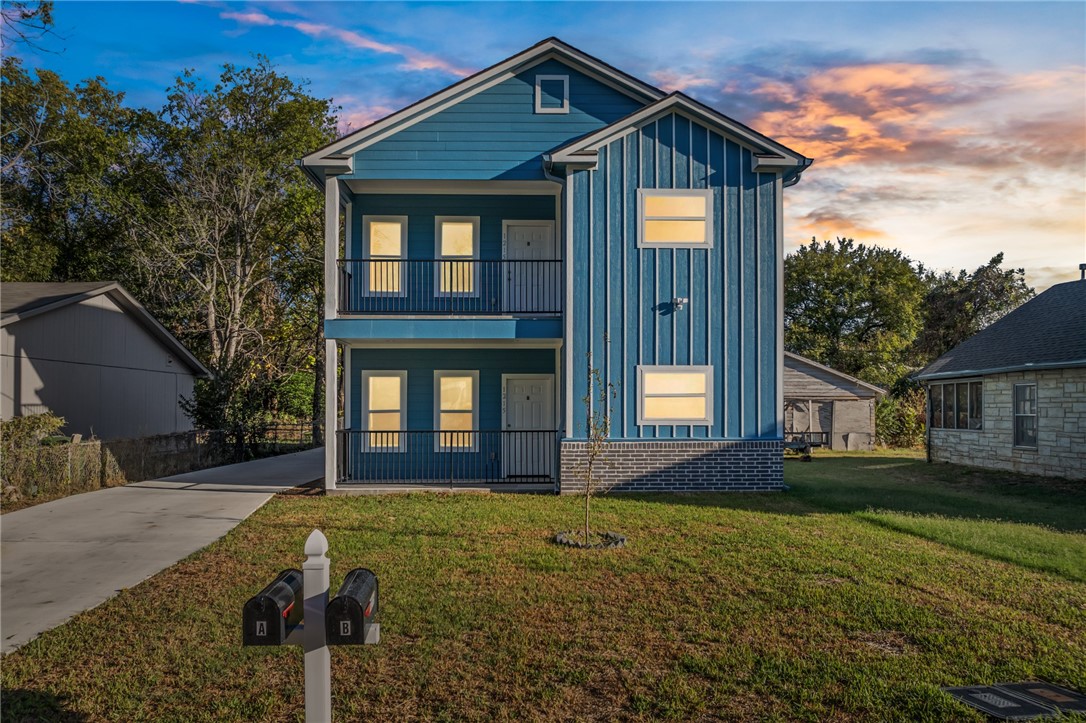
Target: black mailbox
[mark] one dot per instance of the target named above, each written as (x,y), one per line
(268,617)
(352,615)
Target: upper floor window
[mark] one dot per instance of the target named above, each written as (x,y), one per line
(552,94)
(675,395)
(457,246)
(456,409)
(1025,415)
(675,218)
(384,241)
(956,405)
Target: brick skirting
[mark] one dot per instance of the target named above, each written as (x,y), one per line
(679,466)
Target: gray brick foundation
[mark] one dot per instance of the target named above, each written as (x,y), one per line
(679,466)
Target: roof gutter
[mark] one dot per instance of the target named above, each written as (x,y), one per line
(1044,366)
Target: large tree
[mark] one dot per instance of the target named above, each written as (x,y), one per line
(853,307)
(959,305)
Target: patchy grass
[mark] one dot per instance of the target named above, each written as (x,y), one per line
(876,580)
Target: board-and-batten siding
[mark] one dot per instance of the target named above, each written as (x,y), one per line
(622,293)
(495,134)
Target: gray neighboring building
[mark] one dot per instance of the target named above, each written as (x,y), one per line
(818,399)
(92,354)
(1013,397)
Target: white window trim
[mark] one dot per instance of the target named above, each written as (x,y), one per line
(707,421)
(402,220)
(1015,415)
(562,109)
(364,410)
(474,374)
(967,382)
(706,193)
(474,221)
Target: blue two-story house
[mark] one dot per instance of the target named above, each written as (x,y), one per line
(489,244)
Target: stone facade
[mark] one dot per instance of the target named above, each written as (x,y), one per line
(1061,427)
(679,466)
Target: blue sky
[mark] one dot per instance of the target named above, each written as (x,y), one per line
(949,130)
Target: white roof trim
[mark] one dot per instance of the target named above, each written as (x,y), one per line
(551,48)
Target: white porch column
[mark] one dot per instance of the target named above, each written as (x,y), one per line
(331,301)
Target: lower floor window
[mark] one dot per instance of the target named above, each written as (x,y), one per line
(956,405)
(383,400)
(675,395)
(1025,415)
(456,409)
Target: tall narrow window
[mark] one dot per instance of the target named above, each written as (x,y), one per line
(457,239)
(384,241)
(456,409)
(675,395)
(976,405)
(675,218)
(936,393)
(384,397)
(1025,415)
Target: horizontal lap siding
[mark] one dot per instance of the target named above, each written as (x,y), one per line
(496,133)
(620,291)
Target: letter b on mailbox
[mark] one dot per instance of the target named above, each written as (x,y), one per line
(352,616)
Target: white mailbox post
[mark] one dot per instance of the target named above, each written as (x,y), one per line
(318,659)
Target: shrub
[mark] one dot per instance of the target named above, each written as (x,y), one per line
(899,419)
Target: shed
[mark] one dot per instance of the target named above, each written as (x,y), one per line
(91,353)
(827,405)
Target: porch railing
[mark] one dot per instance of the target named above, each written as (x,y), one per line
(443,457)
(450,286)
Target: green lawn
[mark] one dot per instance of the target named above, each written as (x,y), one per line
(854,596)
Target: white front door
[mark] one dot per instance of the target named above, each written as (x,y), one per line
(530,287)
(528,442)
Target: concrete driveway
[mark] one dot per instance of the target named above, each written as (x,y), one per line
(60,558)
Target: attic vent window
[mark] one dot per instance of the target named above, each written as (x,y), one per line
(552,94)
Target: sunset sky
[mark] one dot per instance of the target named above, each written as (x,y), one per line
(951,131)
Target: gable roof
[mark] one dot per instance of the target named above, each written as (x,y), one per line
(20,301)
(1044,333)
(335,155)
(796,358)
(769,154)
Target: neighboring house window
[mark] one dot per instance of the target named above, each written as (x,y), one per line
(384,399)
(675,218)
(457,246)
(384,243)
(1025,415)
(552,94)
(456,409)
(675,395)
(956,405)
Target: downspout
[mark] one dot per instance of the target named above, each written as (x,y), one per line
(927,423)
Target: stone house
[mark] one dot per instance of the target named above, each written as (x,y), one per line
(1013,397)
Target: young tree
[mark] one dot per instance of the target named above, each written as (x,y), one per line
(597,404)
(957,306)
(853,307)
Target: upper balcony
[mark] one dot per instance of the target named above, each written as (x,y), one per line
(444,287)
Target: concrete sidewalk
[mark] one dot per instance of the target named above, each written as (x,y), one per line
(60,558)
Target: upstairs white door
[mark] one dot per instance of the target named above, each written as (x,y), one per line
(528,442)
(530,287)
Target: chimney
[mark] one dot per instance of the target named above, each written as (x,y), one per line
(1082,270)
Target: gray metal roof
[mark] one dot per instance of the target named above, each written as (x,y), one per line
(1047,332)
(18,298)
(24,300)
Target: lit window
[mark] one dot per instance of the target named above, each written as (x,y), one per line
(675,395)
(458,241)
(675,218)
(552,94)
(456,409)
(1025,415)
(384,396)
(383,243)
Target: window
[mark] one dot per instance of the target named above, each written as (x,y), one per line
(675,395)
(674,218)
(383,242)
(1025,415)
(457,238)
(956,405)
(384,398)
(552,94)
(456,409)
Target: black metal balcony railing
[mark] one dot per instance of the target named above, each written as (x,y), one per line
(436,457)
(450,286)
